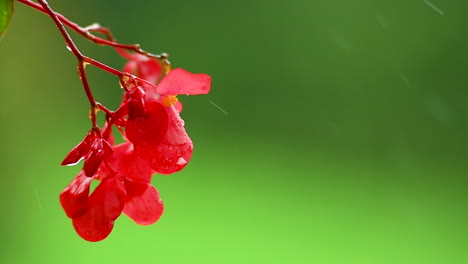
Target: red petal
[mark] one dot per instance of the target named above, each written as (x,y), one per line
(135,102)
(131,67)
(105,205)
(148,130)
(179,106)
(132,166)
(180,81)
(146,68)
(143,203)
(107,135)
(150,70)
(74,198)
(175,150)
(79,151)
(118,118)
(100,150)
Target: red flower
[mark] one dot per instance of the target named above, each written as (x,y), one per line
(166,147)
(158,142)
(144,67)
(129,191)
(93,149)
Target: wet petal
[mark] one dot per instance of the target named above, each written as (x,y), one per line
(146,68)
(74,198)
(107,134)
(118,118)
(136,102)
(175,150)
(130,165)
(180,81)
(100,150)
(148,130)
(79,151)
(179,106)
(104,206)
(143,203)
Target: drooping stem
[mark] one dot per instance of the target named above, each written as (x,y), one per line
(86,32)
(115,72)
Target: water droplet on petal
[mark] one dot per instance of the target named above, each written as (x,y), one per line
(179,153)
(181,161)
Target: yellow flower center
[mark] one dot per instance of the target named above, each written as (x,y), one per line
(170,100)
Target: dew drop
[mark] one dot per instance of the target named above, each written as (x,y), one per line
(181,161)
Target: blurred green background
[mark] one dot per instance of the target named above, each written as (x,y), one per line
(345,138)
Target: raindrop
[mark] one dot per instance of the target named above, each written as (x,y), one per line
(219,108)
(437,9)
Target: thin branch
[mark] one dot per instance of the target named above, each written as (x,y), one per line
(85,32)
(79,56)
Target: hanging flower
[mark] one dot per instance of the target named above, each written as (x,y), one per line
(93,149)
(157,131)
(155,142)
(127,189)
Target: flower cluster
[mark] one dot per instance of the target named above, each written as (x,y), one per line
(155,141)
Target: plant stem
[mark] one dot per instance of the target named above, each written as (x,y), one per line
(85,32)
(79,57)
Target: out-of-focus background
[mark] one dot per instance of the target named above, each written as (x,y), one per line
(343,134)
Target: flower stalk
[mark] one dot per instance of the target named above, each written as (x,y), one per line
(155,140)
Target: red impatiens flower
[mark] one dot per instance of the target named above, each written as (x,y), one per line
(155,141)
(170,151)
(144,67)
(93,149)
(129,191)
